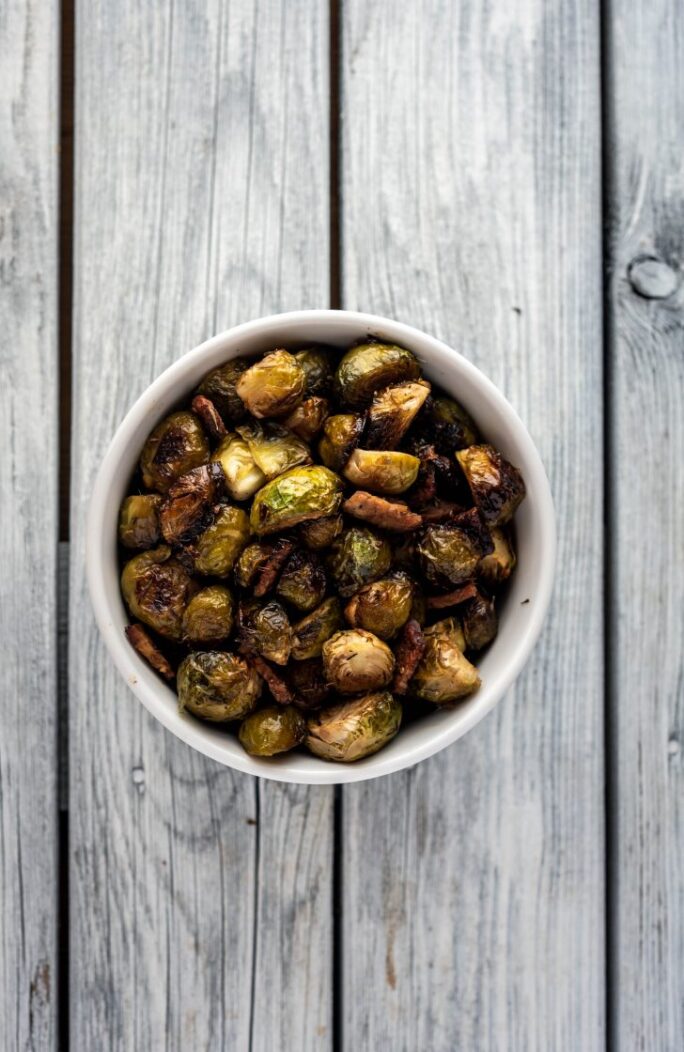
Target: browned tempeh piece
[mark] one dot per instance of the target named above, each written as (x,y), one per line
(141,641)
(407,656)
(441,511)
(386,514)
(209,415)
(275,683)
(460,595)
(268,573)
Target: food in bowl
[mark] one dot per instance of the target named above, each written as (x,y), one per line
(313,548)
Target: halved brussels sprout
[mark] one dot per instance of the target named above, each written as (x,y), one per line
(265,629)
(297,496)
(252,559)
(497,487)
(383,606)
(272,730)
(302,582)
(218,548)
(217,686)
(219,386)
(139,521)
(355,660)
(500,563)
(369,366)
(189,505)
(357,557)
(355,728)
(479,620)
(444,674)
(341,434)
(320,533)
(243,477)
(392,412)
(317,364)
(274,448)
(313,630)
(450,554)
(382,471)
(308,418)
(208,617)
(451,427)
(156,588)
(308,683)
(177,445)
(273,385)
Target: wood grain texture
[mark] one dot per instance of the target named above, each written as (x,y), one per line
(645,93)
(474,884)
(29,134)
(201,200)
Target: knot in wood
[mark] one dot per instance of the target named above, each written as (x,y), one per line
(652,278)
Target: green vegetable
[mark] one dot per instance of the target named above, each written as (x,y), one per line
(444,674)
(354,729)
(219,386)
(355,660)
(450,554)
(370,366)
(297,496)
(157,588)
(357,557)
(273,385)
(500,563)
(497,487)
(313,630)
(217,686)
(178,444)
(308,418)
(218,548)
(266,630)
(383,606)
(341,434)
(392,412)
(382,471)
(139,521)
(479,620)
(273,730)
(302,581)
(243,477)
(320,533)
(316,363)
(274,448)
(208,617)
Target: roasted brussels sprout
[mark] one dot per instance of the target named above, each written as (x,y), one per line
(479,620)
(341,435)
(357,557)
(444,674)
(308,418)
(500,563)
(189,506)
(139,521)
(219,386)
(316,363)
(177,445)
(450,554)
(274,448)
(369,366)
(382,471)
(269,573)
(383,606)
(219,546)
(355,660)
(273,385)
(243,477)
(355,728)
(157,587)
(308,683)
(320,533)
(217,686)
(450,426)
(252,559)
(497,487)
(302,582)
(273,730)
(392,412)
(265,629)
(313,630)
(208,617)
(297,496)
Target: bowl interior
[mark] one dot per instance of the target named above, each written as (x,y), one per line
(521,613)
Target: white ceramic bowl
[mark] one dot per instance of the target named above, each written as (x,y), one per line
(521,614)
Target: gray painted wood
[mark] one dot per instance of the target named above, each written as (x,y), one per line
(645,49)
(201,200)
(29,134)
(474,884)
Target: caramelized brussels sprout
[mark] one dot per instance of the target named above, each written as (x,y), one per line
(265,629)
(497,487)
(208,616)
(273,385)
(302,582)
(444,674)
(243,477)
(450,554)
(383,606)
(218,548)
(272,730)
(479,620)
(450,426)
(177,445)
(139,521)
(308,683)
(274,448)
(355,660)
(189,505)
(217,686)
(500,563)
(341,434)
(219,387)
(320,533)
(357,557)
(392,412)
(297,496)
(313,630)
(252,559)
(382,471)
(369,366)
(156,588)
(316,363)
(355,728)
(308,418)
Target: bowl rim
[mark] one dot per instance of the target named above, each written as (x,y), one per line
(129,663)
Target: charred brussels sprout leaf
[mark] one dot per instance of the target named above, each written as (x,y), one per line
(355,728)
(243,477)
(341,435)
(217,686)
(320,533)
(313,630)
(355,660)
(218,548)
(444,674)
(176,446)
(302,582)
(479,620)
(297,496)
(208,617)
(189,506)
(266,630)
(392,412)
(273,386)
(450,554)
(500,563)
(308,683)
(497,487)
(252,560)
(272,730)
(357,557)
(274,448)
(219,387)
(449,426)
(383,606)
(157,587)
(370,366)
(382,471)
(308,418)
(139,521)
(316,363)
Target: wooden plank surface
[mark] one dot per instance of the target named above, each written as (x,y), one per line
(29,135)
(201,200)
(474,884)
(645,93)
